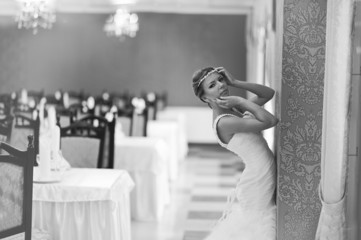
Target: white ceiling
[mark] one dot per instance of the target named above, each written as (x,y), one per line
(10,7)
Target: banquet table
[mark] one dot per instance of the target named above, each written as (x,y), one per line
(168,131)
(87,204)
(146,160)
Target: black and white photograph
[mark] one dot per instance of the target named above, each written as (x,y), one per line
(180,119)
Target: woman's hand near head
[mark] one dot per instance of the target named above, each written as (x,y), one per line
(228,78)
(262,115)
(264,93)
(229,102)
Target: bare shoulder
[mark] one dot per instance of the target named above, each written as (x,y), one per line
(227,120)
(224,127)
(231,124)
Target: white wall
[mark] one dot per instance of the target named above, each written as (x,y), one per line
(198,121)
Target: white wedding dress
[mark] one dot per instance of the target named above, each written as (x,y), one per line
(252,211)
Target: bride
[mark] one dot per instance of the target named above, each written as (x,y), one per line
(237,123)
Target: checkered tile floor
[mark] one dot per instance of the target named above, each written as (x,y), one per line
(199,196)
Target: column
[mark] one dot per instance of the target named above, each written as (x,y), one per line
(302,30)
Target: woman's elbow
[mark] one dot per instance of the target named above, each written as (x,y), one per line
(273,122)
(269,96)
(272,93)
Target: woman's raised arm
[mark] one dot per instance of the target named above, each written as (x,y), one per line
(263,93)
(263,118)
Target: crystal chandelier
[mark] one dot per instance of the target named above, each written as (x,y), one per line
(122,23)
(35,14)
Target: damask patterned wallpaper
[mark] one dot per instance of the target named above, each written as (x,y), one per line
(299,155)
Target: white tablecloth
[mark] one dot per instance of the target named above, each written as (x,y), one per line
(179,117)
(146,161)
(168,131)
(88,204)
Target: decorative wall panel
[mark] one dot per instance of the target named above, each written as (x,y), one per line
(299,155)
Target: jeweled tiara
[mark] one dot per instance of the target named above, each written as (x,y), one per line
(218,69)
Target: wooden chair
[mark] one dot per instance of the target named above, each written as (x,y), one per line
(24,110)
(125,118)
(6,125)
(140,123)
(103,104)
(162,101)
(82,143)
(119,101)
(79,110)
(122,100)
(67,116)
(151,101)
(24,126)
(16,187)
(109,138)
(140,118)
(6,104)
(30,106)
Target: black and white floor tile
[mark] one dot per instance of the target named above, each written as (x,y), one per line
(199,196)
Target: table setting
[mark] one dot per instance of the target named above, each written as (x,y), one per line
(77,203)
(51,163)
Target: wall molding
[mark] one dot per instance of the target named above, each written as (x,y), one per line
(10,7)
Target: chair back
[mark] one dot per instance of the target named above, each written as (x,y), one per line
(151,102)
(16,187)
(6,125)
(66,116)
(152,111)
(103,104)
(82,143)
(24,110)
(162,101)
(109,138)
(120,102)
(5,104)
(77,111)
(24,126)
(140,122)
(125,119)
(32,100)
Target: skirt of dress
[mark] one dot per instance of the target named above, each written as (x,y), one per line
(241,224)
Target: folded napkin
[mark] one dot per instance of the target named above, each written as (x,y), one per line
(61,163)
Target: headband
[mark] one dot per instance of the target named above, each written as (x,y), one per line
(218,69)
